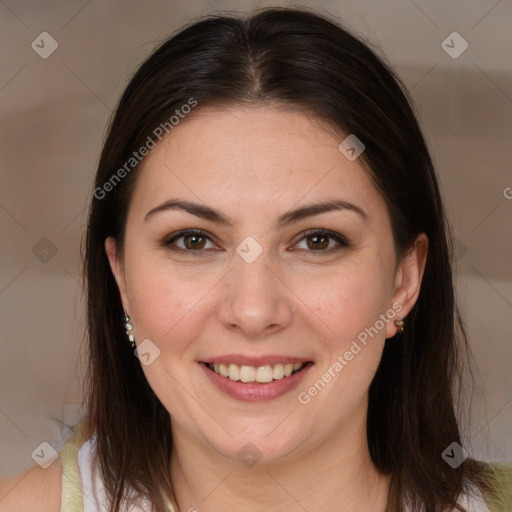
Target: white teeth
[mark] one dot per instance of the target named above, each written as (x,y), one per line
(278,371)
(234,372)
(262,374)
(288,369)
(247,373)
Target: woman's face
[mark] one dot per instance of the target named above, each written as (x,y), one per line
(261,289)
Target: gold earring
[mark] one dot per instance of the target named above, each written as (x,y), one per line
(400,324)
(129,326)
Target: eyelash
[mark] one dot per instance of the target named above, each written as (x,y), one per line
(198,232)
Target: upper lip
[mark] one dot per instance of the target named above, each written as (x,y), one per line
(256,361)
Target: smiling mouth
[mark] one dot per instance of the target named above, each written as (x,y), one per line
(257,374)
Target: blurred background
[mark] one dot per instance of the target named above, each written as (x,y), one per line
(63,66)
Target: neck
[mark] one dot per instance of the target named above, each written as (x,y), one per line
(337,474)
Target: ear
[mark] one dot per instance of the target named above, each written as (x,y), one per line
(117,269)
(408,279)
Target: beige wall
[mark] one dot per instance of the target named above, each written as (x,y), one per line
(53,113)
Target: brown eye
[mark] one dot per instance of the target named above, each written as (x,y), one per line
(320,241)
(192,241)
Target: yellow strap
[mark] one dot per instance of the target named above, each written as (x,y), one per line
(500,474)
(71,497)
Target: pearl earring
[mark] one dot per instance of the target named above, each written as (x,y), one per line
(129,326)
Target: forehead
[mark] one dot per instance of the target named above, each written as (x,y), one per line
(254,158)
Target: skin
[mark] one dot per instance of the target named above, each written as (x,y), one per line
(34,489)
(253,164)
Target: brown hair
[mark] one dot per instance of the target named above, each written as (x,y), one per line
(303,60)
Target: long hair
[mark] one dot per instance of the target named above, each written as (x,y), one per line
(299,60)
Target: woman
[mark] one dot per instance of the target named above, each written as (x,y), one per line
(267,231)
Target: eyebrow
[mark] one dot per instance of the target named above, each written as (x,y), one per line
(288,218)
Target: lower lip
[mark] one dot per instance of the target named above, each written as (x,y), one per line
(255,391)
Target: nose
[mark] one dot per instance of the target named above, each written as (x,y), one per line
(256,301)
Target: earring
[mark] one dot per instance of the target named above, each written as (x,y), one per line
(129,326)
(400,325)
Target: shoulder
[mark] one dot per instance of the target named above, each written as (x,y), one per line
(53,489)
(34,489)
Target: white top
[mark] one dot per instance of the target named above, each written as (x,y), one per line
(93,491)
(94,497)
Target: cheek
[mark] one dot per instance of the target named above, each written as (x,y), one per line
(347,301)
(165,302)
(348,310)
